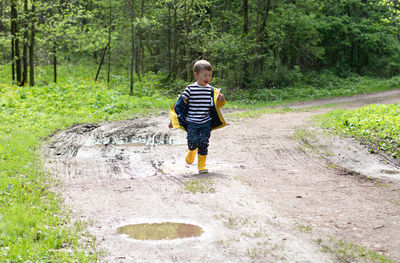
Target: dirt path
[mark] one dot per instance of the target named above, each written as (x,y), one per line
(264,200)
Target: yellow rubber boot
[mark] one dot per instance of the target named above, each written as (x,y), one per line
(190,156)
(202,164)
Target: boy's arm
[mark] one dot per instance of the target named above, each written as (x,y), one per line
(186,95)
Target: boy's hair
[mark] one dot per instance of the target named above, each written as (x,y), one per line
(201,65)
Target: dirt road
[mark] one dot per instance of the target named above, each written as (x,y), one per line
(268,197)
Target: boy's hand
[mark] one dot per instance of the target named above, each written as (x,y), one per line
(221,97)
(170,125)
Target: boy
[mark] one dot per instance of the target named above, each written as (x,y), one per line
(197,112)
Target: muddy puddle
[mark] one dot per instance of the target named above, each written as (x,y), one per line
(160,231)
(146,139)
(128,133)
(389,172)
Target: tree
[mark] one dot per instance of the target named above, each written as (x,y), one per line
(32,46)
(110,20)
(25,24)
(133,46)
(245,78)
(16,55)
(141,47)
(67,28)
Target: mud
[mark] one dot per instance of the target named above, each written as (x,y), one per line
(160,231)
(273,196)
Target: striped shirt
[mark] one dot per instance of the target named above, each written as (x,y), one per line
(199,102)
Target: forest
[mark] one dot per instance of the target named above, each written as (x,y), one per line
(252,44)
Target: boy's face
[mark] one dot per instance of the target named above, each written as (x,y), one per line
(203,77)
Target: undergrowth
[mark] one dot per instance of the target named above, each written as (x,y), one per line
(316,87)
(376,125)
(254,98)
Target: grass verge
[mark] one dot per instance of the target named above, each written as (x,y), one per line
(375,125)
(258,98)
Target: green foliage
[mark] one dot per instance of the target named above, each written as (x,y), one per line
(377,125)
(357,41)
(394,8)
(322,86)
(344,38)
(295,36)
(33,225)
(281,47)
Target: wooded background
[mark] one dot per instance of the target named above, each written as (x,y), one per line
(251,43)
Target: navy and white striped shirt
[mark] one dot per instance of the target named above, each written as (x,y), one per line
(199,101)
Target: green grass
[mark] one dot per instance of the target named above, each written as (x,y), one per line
(376,125)
(204,185)
(349,252)
(257,98)
(255,113)
(236,222)
(33,223)
(304,228)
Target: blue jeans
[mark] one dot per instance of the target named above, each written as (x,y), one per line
(198,136)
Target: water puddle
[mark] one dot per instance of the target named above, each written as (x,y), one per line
(160,231)
(389,172)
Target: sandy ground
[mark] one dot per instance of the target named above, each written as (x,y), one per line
(268,197)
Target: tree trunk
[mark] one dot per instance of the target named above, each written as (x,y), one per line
(169,38)
(12,43)
(245,17)
(17,53)
(18,60)
(101,62)
(109,45)
(224,29)
(55,61)
(265,17)
(25,43)
(174,58)
(133,50)
(32,47)
(136,52)
(263,34)
(141,47)
(185,47)
(245,64)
